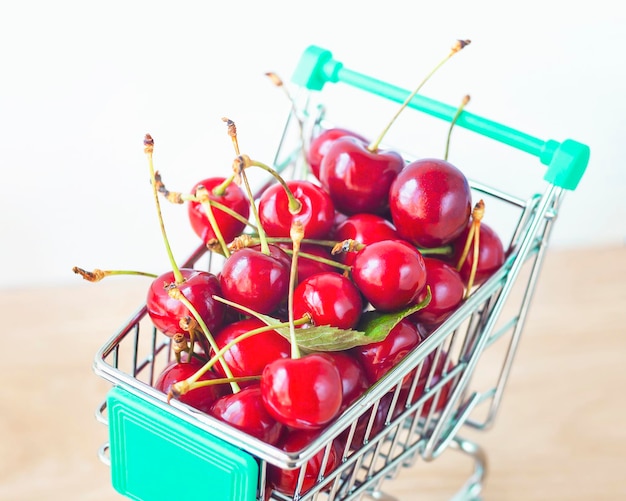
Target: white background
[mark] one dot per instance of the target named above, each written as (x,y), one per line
(82,82)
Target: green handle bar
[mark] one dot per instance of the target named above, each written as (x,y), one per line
(566,160)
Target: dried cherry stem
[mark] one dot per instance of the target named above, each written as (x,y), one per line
(466,99)
(296,233)
(460,44)
(294,204)
(148,143)
(473,237)
(96,274)
(175,293)
(192,382)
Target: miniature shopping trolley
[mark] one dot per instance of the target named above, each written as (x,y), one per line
(224,464)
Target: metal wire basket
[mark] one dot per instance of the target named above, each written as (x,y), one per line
(394,424)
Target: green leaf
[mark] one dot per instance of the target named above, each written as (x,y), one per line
(373,327)
(376,325)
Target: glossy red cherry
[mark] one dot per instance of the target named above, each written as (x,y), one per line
(357,179)
(430,202)
(303,393)
(199,398)
(380,357)
(245,411)
(365,229)
(249,356)
(330,299)
(447,290)
(491,254)
(389,273)
(317,212)
(285,481)
(198,288)
(232,197)
(255,280)
(321,143)
(354,381)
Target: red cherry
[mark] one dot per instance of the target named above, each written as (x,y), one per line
(198,288)
(245,411)
(250,356)
(491,254)
(389,273)
(255,280)
(354,381)
(200,398)
(357,179)
(321,143)
(330,299)
(380,357)
(365,229)
(430,202)
(285,481)
(447,291)
(303,393)
(317,213)
(232,197)
(360,432)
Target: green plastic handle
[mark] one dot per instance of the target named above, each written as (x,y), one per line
(566,161)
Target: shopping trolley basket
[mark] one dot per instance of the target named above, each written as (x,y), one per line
(391,426)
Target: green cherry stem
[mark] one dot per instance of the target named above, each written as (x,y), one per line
(175,293)
(294,204)
(96,274)
(238,166)
(203,195)
(177,389)
(192,382)
(149,150)
(296,233)
(466,99)
(460,44)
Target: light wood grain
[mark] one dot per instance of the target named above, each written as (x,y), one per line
(560,433)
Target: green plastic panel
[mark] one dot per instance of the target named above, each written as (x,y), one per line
(566,161)
(156,456)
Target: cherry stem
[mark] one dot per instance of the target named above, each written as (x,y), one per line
(203,194)
(220,189)
(192,382)
(459,110)
(177,389)
(294,204)
(460,44)
(320,259)
(477,216)
(296,233)
(278,82)
(149,150)
(96,275)
(174,292)
(444,250)
(238,166)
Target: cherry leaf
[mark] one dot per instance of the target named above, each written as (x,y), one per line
(373,327)
(376,325)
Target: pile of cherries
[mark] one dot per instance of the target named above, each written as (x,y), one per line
(374,234)
(327,283)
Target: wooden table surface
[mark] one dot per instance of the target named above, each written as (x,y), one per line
(560,433)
